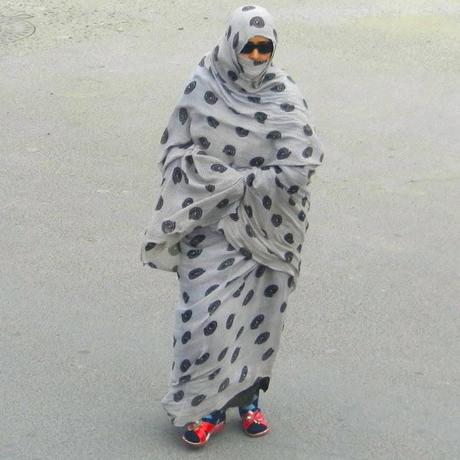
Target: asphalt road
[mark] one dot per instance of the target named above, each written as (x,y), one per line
(369,366)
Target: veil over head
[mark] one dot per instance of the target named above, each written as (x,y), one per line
(242,24)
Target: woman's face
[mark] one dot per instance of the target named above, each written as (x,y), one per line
(255,54)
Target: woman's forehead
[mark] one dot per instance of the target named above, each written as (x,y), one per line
(258,39)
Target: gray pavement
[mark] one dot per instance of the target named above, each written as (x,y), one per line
(369,366)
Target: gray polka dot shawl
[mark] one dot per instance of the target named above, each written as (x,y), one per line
(238,153)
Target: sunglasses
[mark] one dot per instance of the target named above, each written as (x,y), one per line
(264,48)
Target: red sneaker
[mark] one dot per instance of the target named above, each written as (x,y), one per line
(254,423)
(198,433)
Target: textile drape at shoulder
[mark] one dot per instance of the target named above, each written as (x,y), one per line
(197,190)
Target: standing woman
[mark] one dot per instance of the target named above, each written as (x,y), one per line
(230,220)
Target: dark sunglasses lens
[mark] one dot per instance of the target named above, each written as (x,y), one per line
(266,47)
(248,48)
(262,47)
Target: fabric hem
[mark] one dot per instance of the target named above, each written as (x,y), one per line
(183,420)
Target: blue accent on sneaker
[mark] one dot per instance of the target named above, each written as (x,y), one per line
(214,417)
(252,406)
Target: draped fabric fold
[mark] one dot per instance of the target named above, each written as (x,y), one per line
(270,221)
(197,190)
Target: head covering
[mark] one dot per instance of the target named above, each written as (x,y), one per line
(242,24)
(256,128)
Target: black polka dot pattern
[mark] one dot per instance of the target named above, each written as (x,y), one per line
(257,321)
(223,203)
(256,161)
(195,213)
(307,152)
(224,385)
(164,136)
(283,153)
(218,167)
(230,320)
(213,375)
(276,220)
(150,246)
(271,290)
(216,53)
(274,135)
(262,338)
(159,203)
(235,40)
(278,88)
(184,365)
(246,253)
(187,202)
(226,263)
(183,115)
(211,289)
(260,117)
(248,297)
(186,315)
(197,239)
(286,107)
(186,336)
(229,150)
(210,328)
(214,306)
(222,354)
(248,209)
(241,131)
(267,354)
(235,354)
(257,21)
(212,122)
(244,373)
(195,273)
(168,226)
(190,87)
(237,293)
(210,97)
(202,359)
(185,379)
(198,400)
(307,130)
(204,142)
(178,395)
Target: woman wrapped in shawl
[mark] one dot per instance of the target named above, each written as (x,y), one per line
(238,154)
